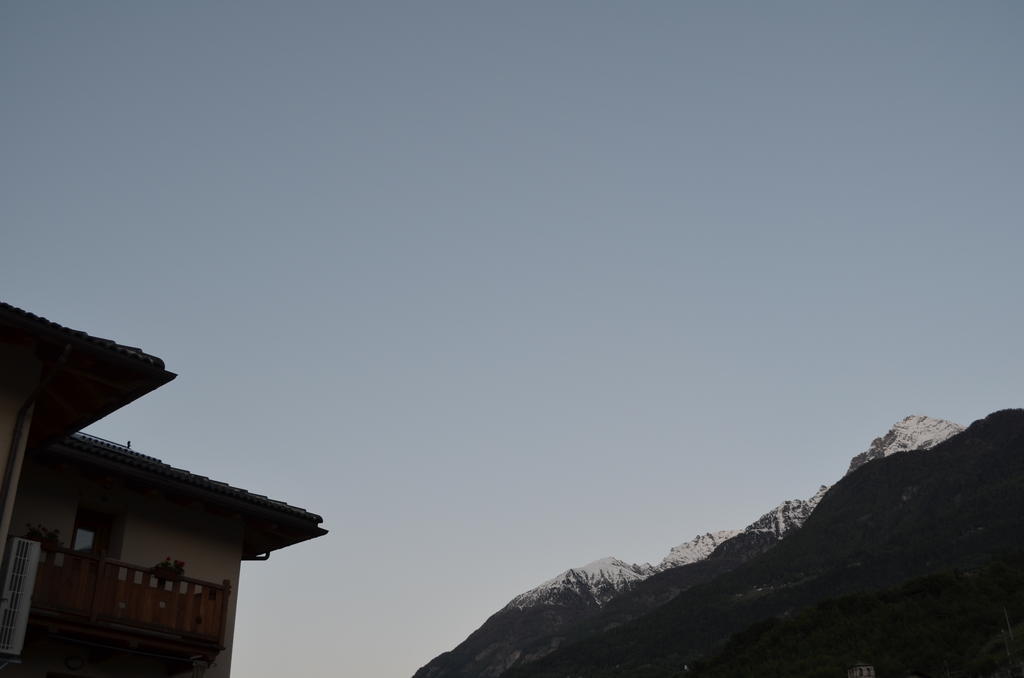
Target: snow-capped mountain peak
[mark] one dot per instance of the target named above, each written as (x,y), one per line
(598,582)
(916,432)
(595,582)
(580,591)
(787,516)
(698,548)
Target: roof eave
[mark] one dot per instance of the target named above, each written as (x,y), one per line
(304,524)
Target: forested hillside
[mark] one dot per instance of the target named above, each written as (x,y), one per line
(953,621)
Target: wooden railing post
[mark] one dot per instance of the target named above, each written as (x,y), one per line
(101,566)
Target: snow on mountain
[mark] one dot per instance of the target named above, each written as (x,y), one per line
(599,581)
(698,548)
(596,582)
(916,432)
(787,516)
(577,592)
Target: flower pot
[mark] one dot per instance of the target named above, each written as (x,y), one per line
(45,544)
(168,573)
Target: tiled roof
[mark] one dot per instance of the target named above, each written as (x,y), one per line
(32,319)
(108,450)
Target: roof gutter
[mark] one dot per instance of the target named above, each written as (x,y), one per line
(20,428)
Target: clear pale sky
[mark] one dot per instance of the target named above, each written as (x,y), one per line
(500,289)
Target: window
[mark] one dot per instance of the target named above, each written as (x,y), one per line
(92,532)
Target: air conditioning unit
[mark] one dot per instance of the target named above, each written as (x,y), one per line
(19,578)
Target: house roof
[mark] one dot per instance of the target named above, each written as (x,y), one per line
(40,323)
(269,524)
(119,454)
(82,378)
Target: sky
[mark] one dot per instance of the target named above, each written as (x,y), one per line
(503,288)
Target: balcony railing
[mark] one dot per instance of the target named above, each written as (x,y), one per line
(94,592)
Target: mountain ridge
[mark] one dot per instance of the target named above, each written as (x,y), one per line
(906,515)
(610,592)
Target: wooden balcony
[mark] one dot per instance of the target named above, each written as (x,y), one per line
(102,600)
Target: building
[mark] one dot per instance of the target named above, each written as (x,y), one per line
(90,521)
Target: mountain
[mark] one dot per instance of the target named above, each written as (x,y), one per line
(769,529)
(596,582)
(604,594)
(787,516)
(600,581)
(698,548)
(731,552)
(899,517)
(537,622)
(916,432)
(610,592)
